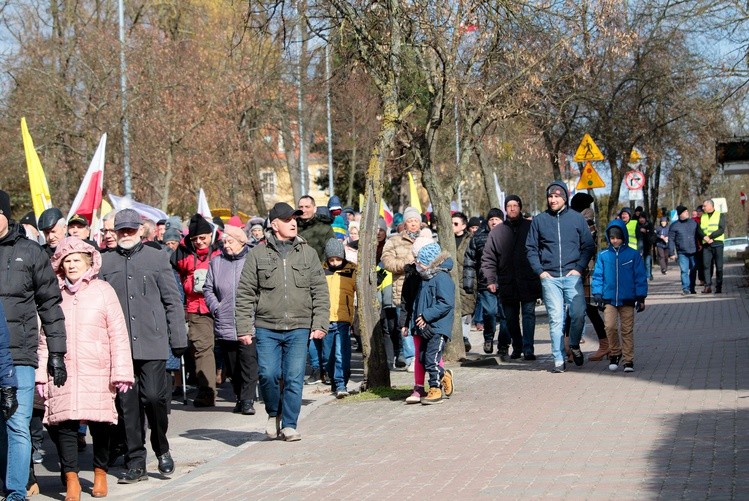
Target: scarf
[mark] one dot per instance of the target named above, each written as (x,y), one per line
(74,286)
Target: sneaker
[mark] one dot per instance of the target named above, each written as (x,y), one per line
(467,344)
(415,396)
(291,435)
(516,354)
(247,408)
(577,356)
(529,356)
(324,378)
(411,366)
(400,362)
(273,427)
(559,367)
(503,352)
(489,347)
(614,362)
(36,457)
(629,367)
(685,292)
(339,394)
(314,377)
(433,397)
(447,383)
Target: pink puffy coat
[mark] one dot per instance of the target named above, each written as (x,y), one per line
(98,347)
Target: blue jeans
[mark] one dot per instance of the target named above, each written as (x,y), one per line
(688,271)
(337,353)
(513,310)
(315,350)
(15,438)
(649,265)
(556,293)
(492,312)
(282,354)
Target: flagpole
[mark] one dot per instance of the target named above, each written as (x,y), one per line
(123,92)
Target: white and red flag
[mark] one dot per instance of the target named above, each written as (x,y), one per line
(87,202)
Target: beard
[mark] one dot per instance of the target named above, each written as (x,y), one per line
(127,244)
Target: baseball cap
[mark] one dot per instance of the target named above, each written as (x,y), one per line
(282,210)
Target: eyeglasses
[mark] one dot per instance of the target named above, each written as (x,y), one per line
(105,231)
(201,238)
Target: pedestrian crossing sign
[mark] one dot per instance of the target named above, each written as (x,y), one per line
(588,151)
(589,179)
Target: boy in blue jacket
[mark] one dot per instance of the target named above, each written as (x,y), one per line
(619,287)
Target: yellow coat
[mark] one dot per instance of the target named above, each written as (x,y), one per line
(341,288)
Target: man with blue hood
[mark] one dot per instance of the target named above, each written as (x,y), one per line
(559,247)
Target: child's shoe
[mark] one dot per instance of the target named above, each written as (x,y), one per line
(415,397)
(433,397)
(629,367)
(447,383)
(614,362)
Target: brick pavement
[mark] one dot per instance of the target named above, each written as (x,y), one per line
(676,428)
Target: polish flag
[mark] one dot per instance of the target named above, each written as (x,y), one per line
(386,213)
(87,202)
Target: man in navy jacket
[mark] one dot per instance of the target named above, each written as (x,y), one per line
(559,247)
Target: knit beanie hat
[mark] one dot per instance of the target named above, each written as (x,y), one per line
(172,234)
(381,224)
(429,253)
(339,227)
(514,198)
(236,232)
(627,210)
(198,226)
(5,205)
(616,232)
(556,189)
(411,213)
(494,212)
(474,221)
(580,201)
(425,238)
(680,209)
(334,248)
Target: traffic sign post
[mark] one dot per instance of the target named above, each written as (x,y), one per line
(635,180)
(588,151)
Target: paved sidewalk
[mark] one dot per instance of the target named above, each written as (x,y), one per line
(676,428)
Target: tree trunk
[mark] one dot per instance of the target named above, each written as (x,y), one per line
(351,176)
(167,180)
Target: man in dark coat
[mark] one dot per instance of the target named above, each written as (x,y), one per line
(508,273)
(28,287)
(155,319)
(313,227)
(682,238)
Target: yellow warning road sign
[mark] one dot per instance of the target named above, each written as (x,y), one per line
(588,151)
(589,179)
(635,156)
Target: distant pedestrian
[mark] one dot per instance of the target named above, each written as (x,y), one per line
(682,236)
(619,287)
(712,232)
(661,244)
(282,303)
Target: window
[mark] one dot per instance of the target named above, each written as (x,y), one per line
(268,182)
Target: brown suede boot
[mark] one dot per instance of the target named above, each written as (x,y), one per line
(603,351)
(72,487)
(100,483)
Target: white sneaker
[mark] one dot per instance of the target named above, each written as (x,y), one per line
(415,397)
(411,365)
(291,435)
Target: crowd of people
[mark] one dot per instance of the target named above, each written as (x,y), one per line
(99,326)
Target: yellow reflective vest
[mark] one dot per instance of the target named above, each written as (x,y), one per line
(632,233)
(709,223)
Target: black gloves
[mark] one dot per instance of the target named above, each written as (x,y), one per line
(381,274)
(8,401)
(56,368)
(598,301)
(178,352)
(639,304)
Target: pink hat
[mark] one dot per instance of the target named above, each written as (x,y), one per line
(425,238)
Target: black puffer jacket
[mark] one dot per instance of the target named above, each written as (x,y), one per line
(472,262)
(29,286)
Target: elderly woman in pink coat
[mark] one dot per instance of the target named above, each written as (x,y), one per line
(98,362)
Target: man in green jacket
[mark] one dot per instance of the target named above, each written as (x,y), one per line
(282,302)
(314,230)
